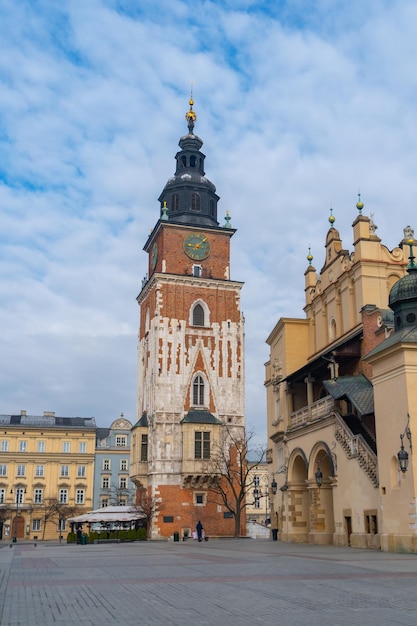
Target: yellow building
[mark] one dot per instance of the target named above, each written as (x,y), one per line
(46,472)
(258,505)
(341,383)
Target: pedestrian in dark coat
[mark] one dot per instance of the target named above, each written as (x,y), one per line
(199,529)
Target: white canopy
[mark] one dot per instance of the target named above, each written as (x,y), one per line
(109,514)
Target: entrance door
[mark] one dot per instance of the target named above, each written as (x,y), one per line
(348,526)
(18,527)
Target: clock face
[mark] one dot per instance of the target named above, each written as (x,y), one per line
(154,255)
(197,246)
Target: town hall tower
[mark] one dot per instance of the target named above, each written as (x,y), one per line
(190,387)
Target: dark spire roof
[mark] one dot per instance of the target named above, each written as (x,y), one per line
(189,196)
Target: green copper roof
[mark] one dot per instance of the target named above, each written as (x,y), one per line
(357,389)
(199,416)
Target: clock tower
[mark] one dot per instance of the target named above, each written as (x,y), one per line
(190,388)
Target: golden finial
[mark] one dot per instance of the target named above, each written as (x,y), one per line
(309,256)
(332,218)
(190,116)
(359,204)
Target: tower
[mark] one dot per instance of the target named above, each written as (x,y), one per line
(190,387)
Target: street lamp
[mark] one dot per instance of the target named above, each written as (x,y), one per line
(18,491)
(402,454)
(319,476)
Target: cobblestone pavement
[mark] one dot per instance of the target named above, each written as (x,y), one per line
(233,582)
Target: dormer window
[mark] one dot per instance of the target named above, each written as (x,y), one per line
(175,202)
(195,202)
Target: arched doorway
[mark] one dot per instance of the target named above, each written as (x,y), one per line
(297,504)
(321,478)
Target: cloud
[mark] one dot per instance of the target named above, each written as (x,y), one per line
(298,107)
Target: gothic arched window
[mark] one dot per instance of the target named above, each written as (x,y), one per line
(198,391)
(198,315)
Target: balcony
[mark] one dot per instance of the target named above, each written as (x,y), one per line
(315,411)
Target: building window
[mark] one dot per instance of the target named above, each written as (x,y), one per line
(4,446)
(106,464)
(123,465)
(63,496)
(201,445)
(81,471)
(198,272)
(198,315)
(38,496)
(193,160)
(105,482)
(211,207)
(21,470)
(83,447)
(19,495)
(3,470)
(23,446)
(123,482)
(371,522)
(64,470)
(175,202)
(144,449)
(66,447)
(121,441)
(104,502)
(62,525)
(36,525)
(41,446)
(256,481)
(2,496)
(195,202)
(122,502)
(79,496)
(198,391)
(200,499)
(39,471)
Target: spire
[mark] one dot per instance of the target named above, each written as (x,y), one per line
(409,234)
(189,197)
(191,116)
(359,204)
(332,218)
(309,256)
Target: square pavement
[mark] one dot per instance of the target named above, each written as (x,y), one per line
(235,582)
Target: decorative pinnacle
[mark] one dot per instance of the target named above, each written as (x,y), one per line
(359,204)
(412,264)
(227,218)
(190,116)
(309,256)
(332,218)
(164,212)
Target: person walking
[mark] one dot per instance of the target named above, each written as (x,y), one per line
(199,529)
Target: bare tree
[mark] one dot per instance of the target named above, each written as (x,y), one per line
(230,472)
(149,507)
(52,509)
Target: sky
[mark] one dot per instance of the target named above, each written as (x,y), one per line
(301,104)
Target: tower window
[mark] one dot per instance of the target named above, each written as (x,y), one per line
(197,271)
(198,315)
(192,161)
(212,207)
(202,445)
(183,161)
(175,202)
(144,448)
(195,202)
(198,391)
